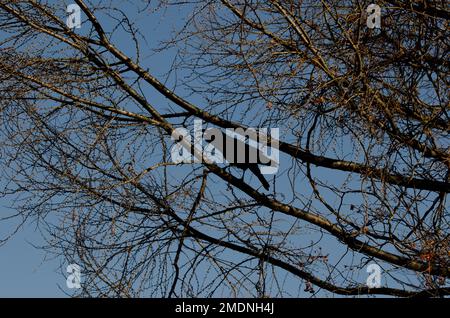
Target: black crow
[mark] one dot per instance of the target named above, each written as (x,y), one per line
(239,153)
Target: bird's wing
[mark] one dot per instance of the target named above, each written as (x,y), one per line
(234,147)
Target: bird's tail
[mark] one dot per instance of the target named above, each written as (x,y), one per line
(260,177)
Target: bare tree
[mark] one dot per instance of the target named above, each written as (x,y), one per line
(364,121)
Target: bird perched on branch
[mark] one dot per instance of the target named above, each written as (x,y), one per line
(238,153)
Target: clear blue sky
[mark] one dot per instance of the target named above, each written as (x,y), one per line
(24,271)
